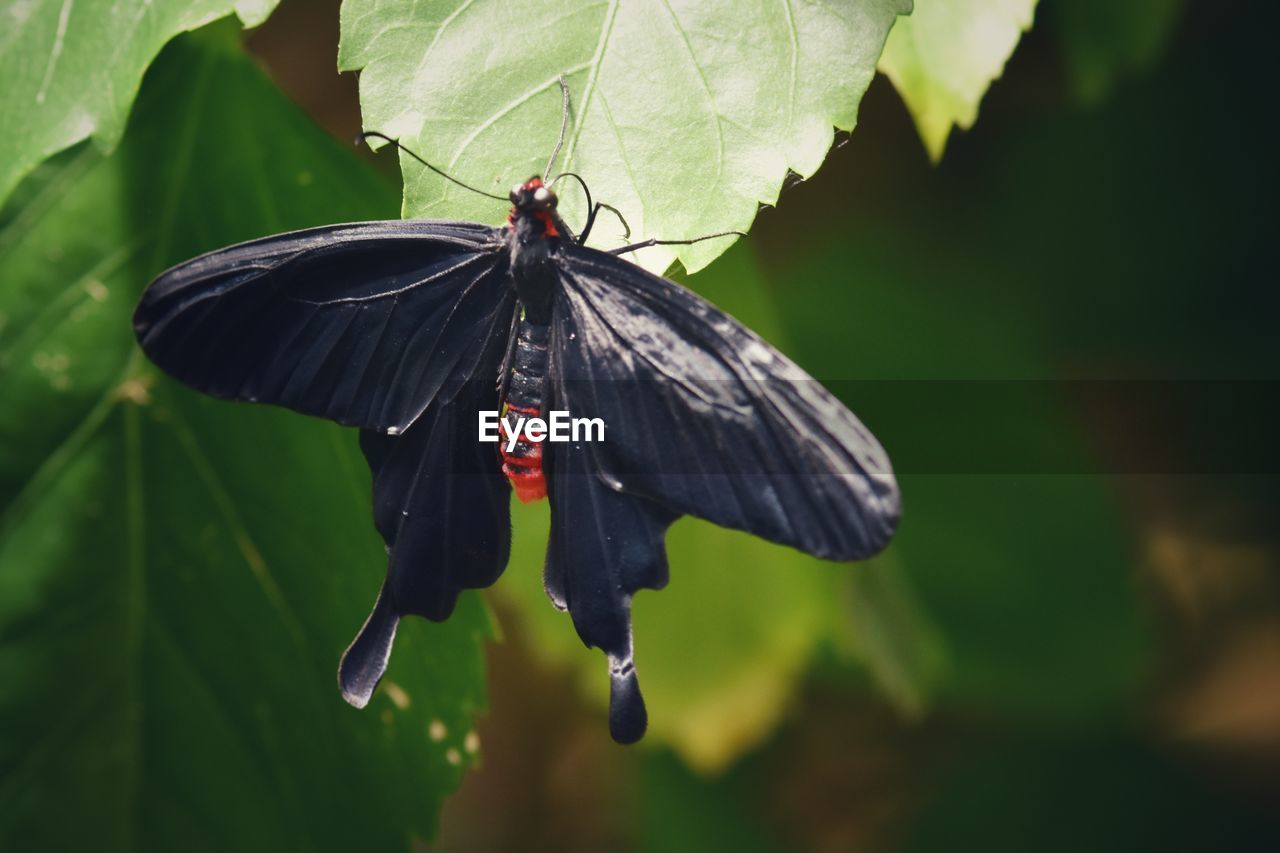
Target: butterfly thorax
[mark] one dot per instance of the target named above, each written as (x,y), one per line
(534,232)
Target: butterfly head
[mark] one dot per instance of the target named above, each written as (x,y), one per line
(533,196)
(533,207)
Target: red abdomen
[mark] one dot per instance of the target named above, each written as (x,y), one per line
(522,463)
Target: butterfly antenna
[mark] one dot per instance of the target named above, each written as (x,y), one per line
(564,126)
(593,209)
(363,137)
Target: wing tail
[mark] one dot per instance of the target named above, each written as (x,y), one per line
(604,546)
(628,717)
(365,660)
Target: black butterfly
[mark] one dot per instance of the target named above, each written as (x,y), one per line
(401,327)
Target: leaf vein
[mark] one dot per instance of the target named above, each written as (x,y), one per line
(506,110)
(239,532)
(59,37)
(56,309)
(711,98)
(793,38)
(595,63)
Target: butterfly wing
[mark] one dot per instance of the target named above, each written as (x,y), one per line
(443,509)
(705,418)
(361,324)
(603,546)
(702,418)
(396,327)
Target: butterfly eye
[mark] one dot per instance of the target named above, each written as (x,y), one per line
(514,195)
(543,197)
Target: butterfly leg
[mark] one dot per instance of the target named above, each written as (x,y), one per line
(591,218)
(593,210)
(644,244)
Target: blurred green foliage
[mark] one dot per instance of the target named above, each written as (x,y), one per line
(1103,41)
(943,58)
(1109,793)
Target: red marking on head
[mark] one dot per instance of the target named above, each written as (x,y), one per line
(548,223)
(545,217)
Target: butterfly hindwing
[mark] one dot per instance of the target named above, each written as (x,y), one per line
(603,547)
(705,418)
(442,506)
(358,323)
(443,509)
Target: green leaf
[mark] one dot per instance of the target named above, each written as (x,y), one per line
(686,115)
(943,58)
(71,70)
(178,575)
(1103,40)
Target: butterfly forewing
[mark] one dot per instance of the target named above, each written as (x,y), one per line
(705,418)
(358,323)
